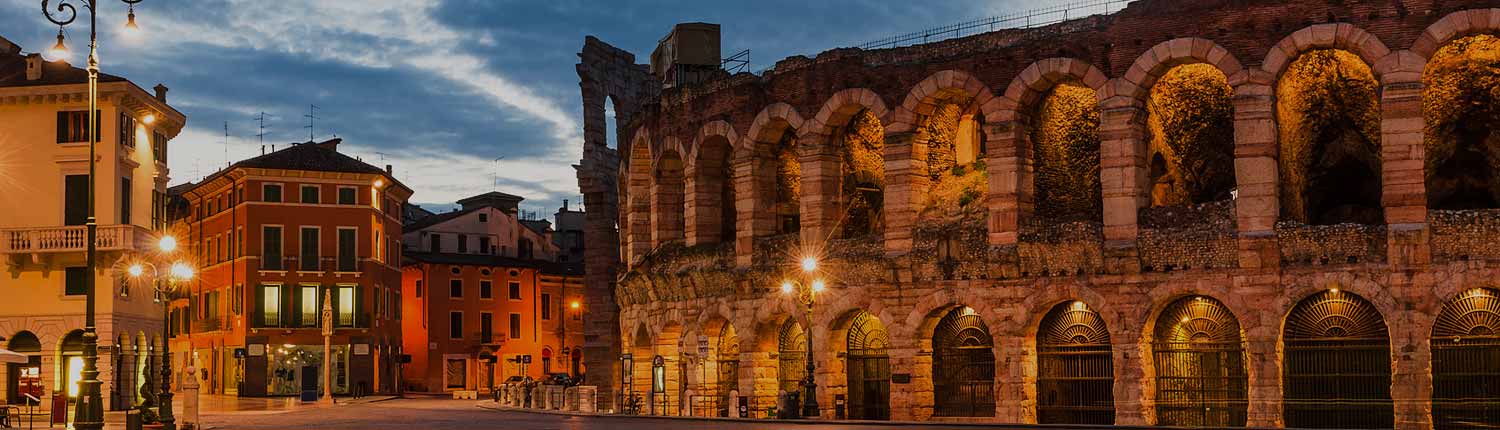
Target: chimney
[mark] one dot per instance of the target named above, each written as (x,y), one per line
(33,67)
(161,93)
(388,170)
(330,144)
(565,205)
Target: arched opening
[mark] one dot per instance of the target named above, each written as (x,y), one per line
(1065,150)
(713,189)
(143,362)
(637,377)
(611,123)
(868,369)
(1462,111)
(728,354)
(70,364)
(24,378)
(1466,361)
(1190,117)
(577,365)
(666,198)
(1327,107)
(791,352)
(1199,357)
(955,159)
(779,175)
(1336,364)
(669,372)
(860,144)
(963,366)
(1075,368)
(637,200)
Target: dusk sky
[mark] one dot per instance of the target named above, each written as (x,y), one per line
(439,89)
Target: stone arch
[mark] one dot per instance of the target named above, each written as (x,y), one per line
(637,186)
(667,195)
(937,127)
(863,341)
(1327,109)
(1155,62)
(838,201)
(710,187)
(962,364)
(1198,329)
(1341,36)
(1020,336)
(1012,139)
(1459,121)
(1465,335)
(768,155)
(1074,382)
(1336,348)
(1453,26)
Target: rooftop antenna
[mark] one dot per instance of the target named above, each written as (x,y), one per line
(262,133)
(382,156)
(226,143)
(495,176)
(311,117)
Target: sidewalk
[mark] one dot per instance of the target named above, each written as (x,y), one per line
(223,405)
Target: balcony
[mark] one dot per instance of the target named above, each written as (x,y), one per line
(44,240)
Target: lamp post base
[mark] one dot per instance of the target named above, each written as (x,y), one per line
(810,402)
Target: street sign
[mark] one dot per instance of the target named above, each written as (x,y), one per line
(526,359)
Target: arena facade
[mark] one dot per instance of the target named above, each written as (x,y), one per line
(1194,213)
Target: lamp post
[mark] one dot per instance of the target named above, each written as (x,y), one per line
(327,348)
(806,293)
(89,414)
(177,272)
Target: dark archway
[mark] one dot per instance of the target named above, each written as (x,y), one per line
(1075,368)
(791,351)
(1327,107)
(1190,117)
(1462,112)
(963,366)
(728,353)
(1065,150)
(868,369)
(1199,357)
(24,378)
(713,189)
(861,144)
(1336,364)
(667,199)
(1466,362)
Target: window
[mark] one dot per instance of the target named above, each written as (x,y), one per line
(484,244)
(486,327)
(72,126)
(463,243)
(379,300)
(309,306)
(270,193)
(127,130)
(515,326)
(75,281)
(159,147)
(455,288)
(125,197)
(419,288)
(76,199)
(485,290)
(310,194)
(347,306)
(515,291)
(347,256)
(347,195)
(236,298)
(240,193)
(546,306)
(455,325)
(270,308)
(309,256)
(436,244)
(484,217)
(523,248)
(270,247)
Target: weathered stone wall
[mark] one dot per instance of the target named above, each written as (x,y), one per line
(1463,235)
(1128,266)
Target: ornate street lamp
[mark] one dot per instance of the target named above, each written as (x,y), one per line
(806,293)
(176,273)
(89,414)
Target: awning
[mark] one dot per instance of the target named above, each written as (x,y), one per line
(8,356)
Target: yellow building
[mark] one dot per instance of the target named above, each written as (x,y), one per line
(43,207)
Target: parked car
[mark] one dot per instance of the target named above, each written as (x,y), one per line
(559,379)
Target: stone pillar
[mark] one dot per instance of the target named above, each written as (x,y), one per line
(1263,364)
(752,207)
(822,204)
(1256,172)
(1012,365)
(907,182)
(699,226)
(1134,387)
(639,219)
(759,371)
(1122,179)
(1010,179)
(1403,159)
(906,400)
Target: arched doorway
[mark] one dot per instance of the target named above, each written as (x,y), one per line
(729,367)
(791,352)
(1466,361)
(1328,113)
(1199,356)
(1336,364)
(963,366)
(1075,368)
(24,379)
(868,369)
(70,363)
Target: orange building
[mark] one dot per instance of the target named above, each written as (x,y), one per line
(274,236)
(469,300)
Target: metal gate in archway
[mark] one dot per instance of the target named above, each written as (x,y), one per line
(963,366)
(1336,364)
(1199,358)
(1466,362)
(729,367)
(868,369)
(1075,367)
(792,353)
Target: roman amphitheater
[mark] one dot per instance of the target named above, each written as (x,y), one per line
(1190,213)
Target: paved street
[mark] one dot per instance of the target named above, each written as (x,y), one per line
(441,414)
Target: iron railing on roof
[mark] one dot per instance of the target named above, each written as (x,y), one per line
(1026,19)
